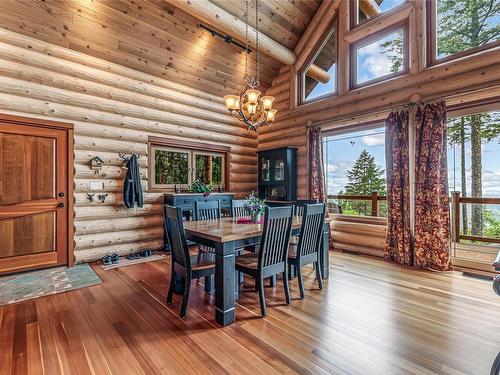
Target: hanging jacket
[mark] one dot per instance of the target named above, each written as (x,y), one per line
(132,188)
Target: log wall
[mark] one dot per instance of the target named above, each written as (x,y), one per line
(120,72)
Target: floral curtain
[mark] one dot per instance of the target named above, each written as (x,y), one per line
(398,246)
(316,169)
(432,203)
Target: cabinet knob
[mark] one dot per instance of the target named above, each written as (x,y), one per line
(61,205)
(61,194)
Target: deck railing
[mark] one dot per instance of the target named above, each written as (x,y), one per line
(374,198)
(456,202)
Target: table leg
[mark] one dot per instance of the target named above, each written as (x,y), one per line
(324,251)
(225,280)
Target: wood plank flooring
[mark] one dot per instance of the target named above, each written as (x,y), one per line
(372,318)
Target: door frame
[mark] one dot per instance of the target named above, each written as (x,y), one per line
(23,262)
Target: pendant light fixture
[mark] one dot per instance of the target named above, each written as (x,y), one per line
(249,107)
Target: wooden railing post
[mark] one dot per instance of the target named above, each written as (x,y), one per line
(455,211)
(374,203)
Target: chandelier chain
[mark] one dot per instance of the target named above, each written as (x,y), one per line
(246,40)
(257,39)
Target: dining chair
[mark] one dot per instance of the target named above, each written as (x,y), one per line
(207,210)
(272,256)
(299,205)
(306,251)
(238,208)
(184,265)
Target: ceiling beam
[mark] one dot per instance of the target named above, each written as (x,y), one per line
(215,16)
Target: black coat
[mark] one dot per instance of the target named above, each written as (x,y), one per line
(132,188)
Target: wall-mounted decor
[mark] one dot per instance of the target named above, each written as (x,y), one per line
(96,164)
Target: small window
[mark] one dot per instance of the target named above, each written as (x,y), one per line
(364,10)
(319,79)
(170,166)
(380,57)
(458,28)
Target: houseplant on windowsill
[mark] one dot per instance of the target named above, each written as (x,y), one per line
(256,207)
(199,187)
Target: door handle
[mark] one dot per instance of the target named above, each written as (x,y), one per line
(60,205)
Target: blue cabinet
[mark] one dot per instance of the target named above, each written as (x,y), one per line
(186,200)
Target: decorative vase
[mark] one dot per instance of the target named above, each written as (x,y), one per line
(256,217)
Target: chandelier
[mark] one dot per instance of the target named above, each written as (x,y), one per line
(249,107)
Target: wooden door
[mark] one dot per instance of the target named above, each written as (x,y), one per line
(34,195)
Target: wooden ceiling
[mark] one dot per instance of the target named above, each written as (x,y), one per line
(157,38)
(282,20)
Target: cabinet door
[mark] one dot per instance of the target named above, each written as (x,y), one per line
(265,168)
(279,164)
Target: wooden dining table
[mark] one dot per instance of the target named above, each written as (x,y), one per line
(227,237)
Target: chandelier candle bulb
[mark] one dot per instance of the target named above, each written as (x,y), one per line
(267,102)
(270,114)
(252,96)
(232,102)
(252,108)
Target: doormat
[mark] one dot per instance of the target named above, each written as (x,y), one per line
(28,285)
(127,262)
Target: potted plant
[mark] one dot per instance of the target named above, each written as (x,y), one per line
(199,187)
(256,207)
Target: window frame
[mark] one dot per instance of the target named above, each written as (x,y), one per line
(208,153)
(344,130)
(155,147)
(431,33)
(354,12)
(191,148)
(332,28)
(363,42)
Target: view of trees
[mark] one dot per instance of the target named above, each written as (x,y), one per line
(363,179)
(171,167)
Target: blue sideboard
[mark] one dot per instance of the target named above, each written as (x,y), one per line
(186,200)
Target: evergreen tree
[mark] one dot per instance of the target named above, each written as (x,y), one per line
(363,179)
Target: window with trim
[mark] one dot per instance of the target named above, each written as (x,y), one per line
(461,27)
(170,166)
(319,78)
(379,57)
(354,161)
(364,10)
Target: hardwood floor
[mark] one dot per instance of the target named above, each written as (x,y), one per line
(372,318)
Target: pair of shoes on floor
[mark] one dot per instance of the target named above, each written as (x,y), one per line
(133,256)
(146,253)
(111,259)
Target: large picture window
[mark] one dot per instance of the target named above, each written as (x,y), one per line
(461,27)
(355,171)
(171,166)
(379,57)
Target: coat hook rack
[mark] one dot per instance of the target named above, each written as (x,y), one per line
(127,158)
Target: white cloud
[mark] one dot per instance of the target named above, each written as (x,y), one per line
(374,140)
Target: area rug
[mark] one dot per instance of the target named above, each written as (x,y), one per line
(126,262)
(27,285)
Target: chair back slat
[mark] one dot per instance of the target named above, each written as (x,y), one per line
(275,236)
(207,210)
(311,230)
(301,203)
(238,208)
(174,228)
